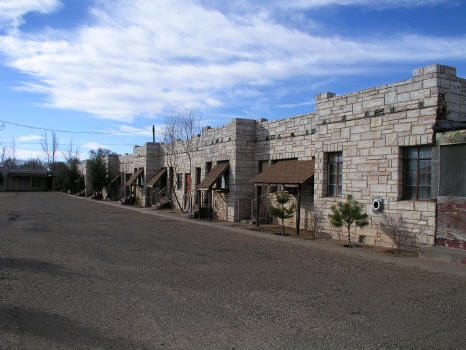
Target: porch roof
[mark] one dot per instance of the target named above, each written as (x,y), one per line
(28,172)
(157,177)
(287,172)
(212,176)
(134,176)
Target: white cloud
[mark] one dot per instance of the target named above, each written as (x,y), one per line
(147,131)
(25,154)
(12,11)
(152,57)
(28,154)
(271,5)
(299,104)
(92,145)
(29,138)
(371,3)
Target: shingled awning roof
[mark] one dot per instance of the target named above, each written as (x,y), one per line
(286,172)
(212,176)
(156,178)
(134,177)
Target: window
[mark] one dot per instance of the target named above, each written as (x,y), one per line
(140,180)
(223,182)
(417,172)
(198,176)
(208,167)
(179,181)
(334,173)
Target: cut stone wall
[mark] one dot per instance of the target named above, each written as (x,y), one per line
(370,127)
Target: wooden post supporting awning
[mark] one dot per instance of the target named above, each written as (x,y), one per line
(289,173)
(157,177)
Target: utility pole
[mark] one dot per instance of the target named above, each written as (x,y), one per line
(153,133)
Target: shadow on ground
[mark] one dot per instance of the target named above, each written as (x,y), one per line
(58,330)
(37,266)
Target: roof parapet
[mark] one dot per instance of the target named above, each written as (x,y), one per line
(434,68)
(325,96)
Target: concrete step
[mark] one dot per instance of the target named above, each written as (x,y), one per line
(444,253)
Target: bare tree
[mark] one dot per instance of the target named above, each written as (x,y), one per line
(178,138)
(393,227)
(189,127)
(44,142)
(4,154)
(71,152)
(54,147)
(13,152)
(50,148)
(316,221)
(170,141)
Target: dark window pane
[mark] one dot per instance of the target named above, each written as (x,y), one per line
(335,167)
(410,179)
(339,190)
(411,166)
(423,192)
(411,152)
(425,152)
(424,166)
(340,179)
(424,179)
(410,192)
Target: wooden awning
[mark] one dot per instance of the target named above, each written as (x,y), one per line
(212,176)
(115,179)
(134,177)
(287,172)
(157,177)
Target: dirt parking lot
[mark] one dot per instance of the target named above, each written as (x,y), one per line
(76,274)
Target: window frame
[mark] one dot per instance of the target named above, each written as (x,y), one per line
(223,182)
(338,184)
(406,159)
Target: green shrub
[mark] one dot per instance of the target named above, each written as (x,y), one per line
(281,211)
(348,213)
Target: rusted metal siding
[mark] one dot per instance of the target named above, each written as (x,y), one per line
(451,222)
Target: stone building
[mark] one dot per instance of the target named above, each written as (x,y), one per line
(398,148)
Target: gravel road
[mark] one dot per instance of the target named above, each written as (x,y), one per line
(76,274)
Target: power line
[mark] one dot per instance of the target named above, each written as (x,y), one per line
(75,132)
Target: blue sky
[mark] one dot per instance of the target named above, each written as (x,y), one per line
(124,65)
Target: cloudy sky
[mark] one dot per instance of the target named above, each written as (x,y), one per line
(124,65)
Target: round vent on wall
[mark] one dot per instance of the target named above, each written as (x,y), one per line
(377,205)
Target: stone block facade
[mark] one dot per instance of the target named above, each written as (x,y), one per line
(371,130)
